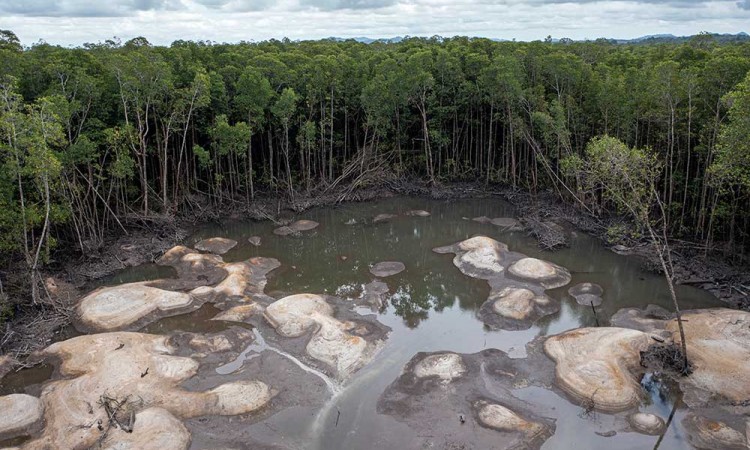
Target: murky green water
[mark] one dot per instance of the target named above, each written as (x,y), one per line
(433,308)
(434,304)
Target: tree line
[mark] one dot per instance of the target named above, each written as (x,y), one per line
(102,132)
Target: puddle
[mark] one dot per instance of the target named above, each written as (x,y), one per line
(198,321)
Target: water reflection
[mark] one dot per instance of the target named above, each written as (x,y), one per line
(312,262)
(432,306)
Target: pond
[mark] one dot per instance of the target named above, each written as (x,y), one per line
(431,306)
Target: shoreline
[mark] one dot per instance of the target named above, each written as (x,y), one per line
(148,238)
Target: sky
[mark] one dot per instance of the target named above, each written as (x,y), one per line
(74,22)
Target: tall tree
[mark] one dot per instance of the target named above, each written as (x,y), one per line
(284,109)
(252,99)
(628,178)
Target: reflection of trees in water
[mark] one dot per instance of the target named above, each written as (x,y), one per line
(437,291)
(412,308)
(451,286)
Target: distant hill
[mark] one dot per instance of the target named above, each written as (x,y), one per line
(672,39)
(648,39)
(366,40)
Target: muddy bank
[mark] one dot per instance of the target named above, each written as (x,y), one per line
(542,216)
(550,220)
(128,389)
(716,390)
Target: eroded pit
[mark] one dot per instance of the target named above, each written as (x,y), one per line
(295,344)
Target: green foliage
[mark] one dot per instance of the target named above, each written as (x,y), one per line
(621,232)
(82,151)
(107,125)
(626,176)
(204,158)
(32,172)
(307,135)
(118,141)
(285,105)
(731,168)
(229,139)
(253,96)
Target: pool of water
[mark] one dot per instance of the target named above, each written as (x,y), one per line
(432,307)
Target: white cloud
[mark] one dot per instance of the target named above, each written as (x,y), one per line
(73,22)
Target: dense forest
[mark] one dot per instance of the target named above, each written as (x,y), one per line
(90,136)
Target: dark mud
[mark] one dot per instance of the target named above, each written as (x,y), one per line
(457,397)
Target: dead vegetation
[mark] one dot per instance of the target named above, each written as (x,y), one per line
(741,303)
(548,234)
(27,326)
(588,407)
(666,358)
(120,414)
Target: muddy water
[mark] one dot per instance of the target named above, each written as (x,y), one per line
(432,307)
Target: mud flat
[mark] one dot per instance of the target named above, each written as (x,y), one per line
(296,227)
(216,245)
(201,278)
(110,379)
(716,391)
(342,347)
(466,399)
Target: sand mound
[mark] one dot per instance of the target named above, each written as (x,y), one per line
(115,308)
(142,369)
(331,343)
(478,257)
(153,429)
(513,304)
(598,365)
(296,227)
(500,418)
(19,413)
(587,294)
(200,269)
(646,423)
(446,366)
(467,400)
(549,275)
(216,245)
(718,342)
(707,434)
(209,278)
(387,268)
(516,304)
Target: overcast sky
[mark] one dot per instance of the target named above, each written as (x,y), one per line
(73,22)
